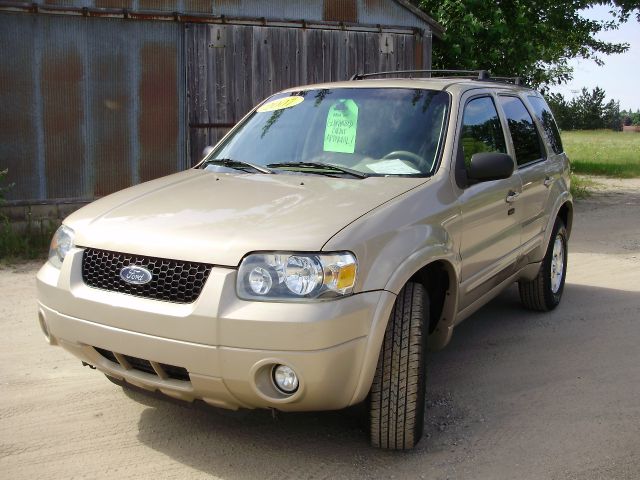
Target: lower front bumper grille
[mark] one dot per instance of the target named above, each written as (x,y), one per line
(161,370)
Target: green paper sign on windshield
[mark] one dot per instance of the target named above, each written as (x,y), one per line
(342,123)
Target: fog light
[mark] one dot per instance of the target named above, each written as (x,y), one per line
(42,321)
(285,379)
(43,325)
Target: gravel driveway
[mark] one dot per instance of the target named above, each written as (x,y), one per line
(516,395)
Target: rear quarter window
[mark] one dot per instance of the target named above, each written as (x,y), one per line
(543,112)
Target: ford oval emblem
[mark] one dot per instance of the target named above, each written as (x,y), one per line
(135,275)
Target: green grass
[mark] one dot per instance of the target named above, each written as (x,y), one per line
(581,187)
(33,243)
(603,152)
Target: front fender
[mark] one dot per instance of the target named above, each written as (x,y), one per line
(439,247)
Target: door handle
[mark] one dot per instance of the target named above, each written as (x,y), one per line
(512,196)
(548,181)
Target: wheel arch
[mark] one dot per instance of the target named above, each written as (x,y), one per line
(566,214)
(441,282)
(436,270)
(563,209)
(428,274)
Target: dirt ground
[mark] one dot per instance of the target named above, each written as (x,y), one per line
(516,395)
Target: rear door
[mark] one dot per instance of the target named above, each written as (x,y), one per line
(533,169)
(491,234)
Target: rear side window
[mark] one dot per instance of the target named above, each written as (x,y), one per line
(524,134)
(481,129)
(543,112)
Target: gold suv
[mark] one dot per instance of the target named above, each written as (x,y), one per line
(316,252)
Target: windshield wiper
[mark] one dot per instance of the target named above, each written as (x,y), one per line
(320,166)
(239,165)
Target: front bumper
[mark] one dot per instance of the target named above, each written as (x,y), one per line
(228,346)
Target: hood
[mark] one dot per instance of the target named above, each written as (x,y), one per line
(218,218)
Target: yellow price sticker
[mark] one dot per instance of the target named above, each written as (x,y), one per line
(281,103)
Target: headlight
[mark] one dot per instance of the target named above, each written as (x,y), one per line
(61,243)
(296,276)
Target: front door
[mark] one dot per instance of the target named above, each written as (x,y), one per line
(490,241)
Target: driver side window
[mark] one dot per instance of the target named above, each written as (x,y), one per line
(481,129)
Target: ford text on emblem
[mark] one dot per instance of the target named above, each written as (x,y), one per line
(135,275)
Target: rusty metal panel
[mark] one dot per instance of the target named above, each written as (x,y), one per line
(114,3)
(89,106)
(273,9)
(399,13)
(387,12)
(198,6)
(61,83)
(340,11)
(159,124)
(168,5)
(19,145)
(230,68)
(111,99)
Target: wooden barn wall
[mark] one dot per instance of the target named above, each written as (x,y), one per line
(230,68)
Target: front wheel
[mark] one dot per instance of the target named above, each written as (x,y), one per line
(544,292)
(397,396)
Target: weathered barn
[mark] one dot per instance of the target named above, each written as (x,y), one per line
(97,95)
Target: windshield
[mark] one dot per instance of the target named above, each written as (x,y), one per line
(373,131)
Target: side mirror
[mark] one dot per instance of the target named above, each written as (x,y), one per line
(207,150)
(487,166)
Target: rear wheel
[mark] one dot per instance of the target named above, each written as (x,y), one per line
(545,291)
(397,395)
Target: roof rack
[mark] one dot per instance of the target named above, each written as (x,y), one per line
(482,75)
(514,80)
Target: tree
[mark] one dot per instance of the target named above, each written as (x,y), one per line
(626,7)
(589,109)
(562,110)
(533,39)
(612,116)
(630,118)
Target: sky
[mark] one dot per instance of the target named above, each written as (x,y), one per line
(620,74)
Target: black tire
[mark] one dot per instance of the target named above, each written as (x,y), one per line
(540,294)
(397,397)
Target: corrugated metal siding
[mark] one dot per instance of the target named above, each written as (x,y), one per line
(89,106)
(371,12)
(341,10)
(386,12)
(20,142)
(230,68)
